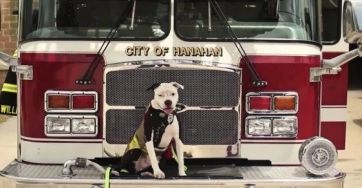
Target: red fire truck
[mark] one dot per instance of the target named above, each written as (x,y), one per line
(265,89)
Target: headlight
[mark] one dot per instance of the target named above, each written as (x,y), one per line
(83,126)
(285,126)
(259,127)
(57,125)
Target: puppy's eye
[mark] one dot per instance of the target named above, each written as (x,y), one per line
(160,95)
(173,94)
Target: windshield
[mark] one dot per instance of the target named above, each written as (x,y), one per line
(62,19)
(249,19)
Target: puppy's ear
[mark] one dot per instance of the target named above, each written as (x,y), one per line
(177,85)
(154,86)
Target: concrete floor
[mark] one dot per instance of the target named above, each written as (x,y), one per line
(350,160)
(7,142)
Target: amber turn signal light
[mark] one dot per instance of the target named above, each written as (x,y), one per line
(58,101)
(285,103)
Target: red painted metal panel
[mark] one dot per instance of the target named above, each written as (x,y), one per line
(335,132)
(289,73)
(334,87)
(54,72)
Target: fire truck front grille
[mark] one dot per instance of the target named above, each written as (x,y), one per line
(203,87)
(122,124)
(208,127)
(198,127)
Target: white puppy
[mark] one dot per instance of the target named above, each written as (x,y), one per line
(156,132)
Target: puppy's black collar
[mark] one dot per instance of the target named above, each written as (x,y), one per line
(166,119)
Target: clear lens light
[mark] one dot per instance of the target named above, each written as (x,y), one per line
(259,127)
(284,127)
(58,125)
(84,126)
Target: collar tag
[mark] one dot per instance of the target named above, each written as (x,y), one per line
(162,115)
(170,118)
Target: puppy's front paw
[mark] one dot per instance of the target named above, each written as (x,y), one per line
(182,173)
(158,174)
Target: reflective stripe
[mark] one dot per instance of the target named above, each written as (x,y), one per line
(334,113)
(134,143)
(11,88)
(14,86)
(106,178)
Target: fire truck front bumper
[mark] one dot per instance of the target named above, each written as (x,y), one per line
(19,174)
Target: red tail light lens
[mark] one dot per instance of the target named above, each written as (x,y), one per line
(59,102)
(260,103)
(84,101)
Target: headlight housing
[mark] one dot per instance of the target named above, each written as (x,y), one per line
(71,126)
(271,126)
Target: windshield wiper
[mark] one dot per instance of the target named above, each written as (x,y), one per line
(244,57)
(87,77)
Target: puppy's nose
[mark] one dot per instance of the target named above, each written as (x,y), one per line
(168,103)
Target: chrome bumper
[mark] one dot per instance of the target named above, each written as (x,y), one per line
(253,177)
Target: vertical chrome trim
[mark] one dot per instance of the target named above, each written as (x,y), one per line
(18,144)
(172,20)
(239,108)
(131,27)
(209,15)
(319,123)
(320,98)
(18,117)
(20,18)
(55,14)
